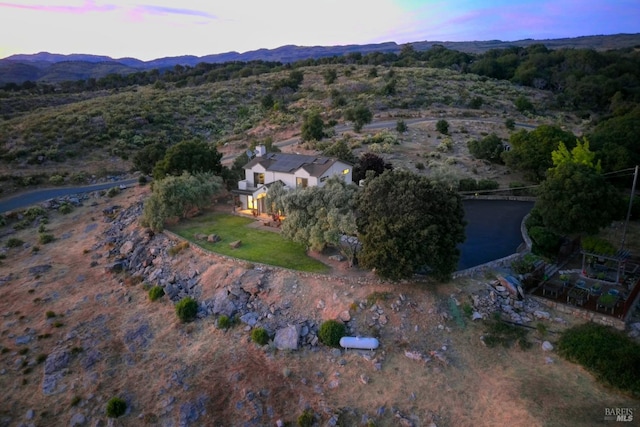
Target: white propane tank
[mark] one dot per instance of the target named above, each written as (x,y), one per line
(364,343)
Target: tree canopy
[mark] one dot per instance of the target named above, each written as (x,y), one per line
(360,115)
(192,156)
(319,216)
(575,198)
(369,162)
(579,154)
(312,126)
(531,151)
(408,223)
(177,196)
(489,148)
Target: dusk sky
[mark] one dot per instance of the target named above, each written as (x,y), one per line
(149,29)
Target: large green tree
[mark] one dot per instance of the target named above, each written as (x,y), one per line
(369,162)
(489,148)
(406,223)
(575,198)
(192,156)
(360,115)
(531,151)
(177,196)
(319,216)
(312,126)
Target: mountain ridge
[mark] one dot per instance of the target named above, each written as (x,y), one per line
(37,67)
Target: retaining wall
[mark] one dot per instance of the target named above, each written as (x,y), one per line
(578,312)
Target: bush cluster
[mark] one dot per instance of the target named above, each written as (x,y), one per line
(330,332)
(260,336)
(186,309)
(156,292)
(116,407)
(608,353)
(470,184)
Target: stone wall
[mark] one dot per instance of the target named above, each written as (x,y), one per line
(581,313)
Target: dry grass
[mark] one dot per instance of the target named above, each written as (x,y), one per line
(478,386)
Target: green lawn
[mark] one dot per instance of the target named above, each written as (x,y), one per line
(257,245)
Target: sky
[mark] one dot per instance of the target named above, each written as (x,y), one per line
(150,29)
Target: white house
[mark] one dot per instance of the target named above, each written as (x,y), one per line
(293,170)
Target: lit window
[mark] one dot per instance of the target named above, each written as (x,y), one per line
(345,172)
(258,178)
(301,182)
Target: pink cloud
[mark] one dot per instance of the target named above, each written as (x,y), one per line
(87,7)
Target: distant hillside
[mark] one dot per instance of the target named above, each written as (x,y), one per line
(49,67)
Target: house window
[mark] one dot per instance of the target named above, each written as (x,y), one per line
(345,171)
(301,182)
(324,178)
(258,178)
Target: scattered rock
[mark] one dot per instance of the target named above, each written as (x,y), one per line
(345,316)
(413,355)
(126,247)
(287,338)
(236,244)
(77,420)
(476,316)
(539,314)
(213,238)
(39,269)
(547,346)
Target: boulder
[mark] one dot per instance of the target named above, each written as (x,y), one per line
(223,305)
(547,346)
(213,238)
(236,244)
(251,281)
(287,338)
(126,247)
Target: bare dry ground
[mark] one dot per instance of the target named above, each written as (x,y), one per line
(118,343)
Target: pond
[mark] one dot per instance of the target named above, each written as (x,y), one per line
(492,231)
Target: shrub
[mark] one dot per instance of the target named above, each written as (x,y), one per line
(476,102)
(116,407)
(260,336)
(14,242)
(50,314)
(34,212)
(113,191)
(142,180)
(306,418)
(419,165)
(442,126)
(41,358)
(487,184)
(178,248)
(467,184)
(501,333)
(45,238)
(224,322)
(401,126)
(609,354)
(65,208)
(156,293)
(56,180)
(186,309)
(510,124)
(330,332)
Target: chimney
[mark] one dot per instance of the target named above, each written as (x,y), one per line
(261,150)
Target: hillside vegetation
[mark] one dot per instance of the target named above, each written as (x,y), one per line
(115,124)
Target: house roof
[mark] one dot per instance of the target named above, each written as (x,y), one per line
(290,163)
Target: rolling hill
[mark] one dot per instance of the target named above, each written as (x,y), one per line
(51,67)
